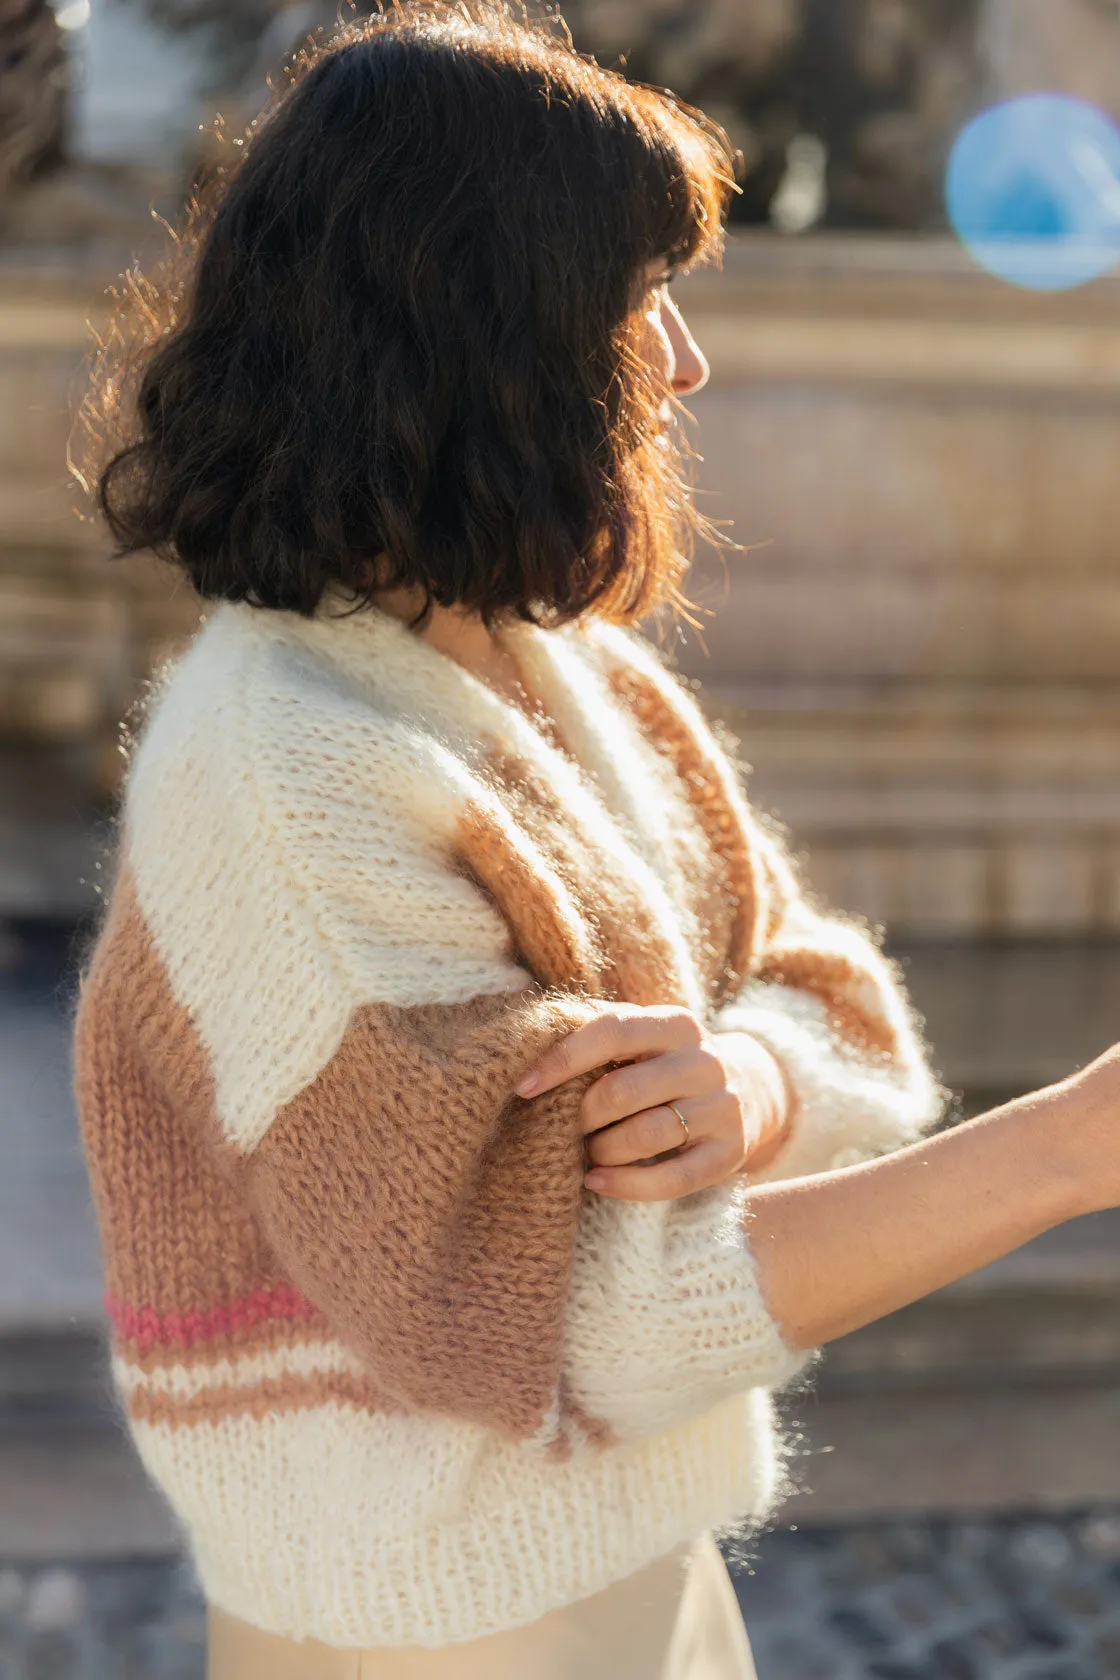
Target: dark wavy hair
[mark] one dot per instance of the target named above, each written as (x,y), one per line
(395,342)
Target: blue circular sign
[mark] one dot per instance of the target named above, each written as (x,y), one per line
(1033,191)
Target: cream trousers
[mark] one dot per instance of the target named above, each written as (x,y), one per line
(677,1620)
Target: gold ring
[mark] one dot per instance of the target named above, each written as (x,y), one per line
(683,1122)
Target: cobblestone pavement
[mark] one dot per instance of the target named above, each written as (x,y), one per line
(1027,1599)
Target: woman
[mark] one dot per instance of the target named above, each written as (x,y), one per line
(482,1123)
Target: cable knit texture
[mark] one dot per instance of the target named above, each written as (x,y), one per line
(404,1381)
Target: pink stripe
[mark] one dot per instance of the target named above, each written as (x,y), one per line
(144,1325)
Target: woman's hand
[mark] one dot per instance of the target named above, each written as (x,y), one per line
(729,1088)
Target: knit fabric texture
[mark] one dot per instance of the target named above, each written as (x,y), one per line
(402,1378)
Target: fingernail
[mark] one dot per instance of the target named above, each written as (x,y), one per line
(525,1087)
(595,1180)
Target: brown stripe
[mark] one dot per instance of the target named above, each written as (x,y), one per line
(835,981)
(634,959)
(759,879)
(709,782)
(555,940)
(274,1395)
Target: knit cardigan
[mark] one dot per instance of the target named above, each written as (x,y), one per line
(403,1379)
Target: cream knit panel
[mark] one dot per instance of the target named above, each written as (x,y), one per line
(847,1109)
(409,1530)
(268,818)
(616,793)
(666,1316)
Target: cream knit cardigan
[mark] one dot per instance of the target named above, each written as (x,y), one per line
(403,1380)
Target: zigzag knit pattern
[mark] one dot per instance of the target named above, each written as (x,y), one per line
(403,1380)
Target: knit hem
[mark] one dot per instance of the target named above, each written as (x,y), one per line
(568,1531)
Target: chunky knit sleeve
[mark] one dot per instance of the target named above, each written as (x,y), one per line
(832,1009)
(439,1222)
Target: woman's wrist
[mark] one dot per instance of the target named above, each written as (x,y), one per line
(764,1090)
(1080,1119)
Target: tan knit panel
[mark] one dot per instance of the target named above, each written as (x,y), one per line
(550,933)
(178,1238)
(733,903)
(429,1211)
(580,919)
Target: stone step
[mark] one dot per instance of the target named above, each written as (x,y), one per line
(1005,1448)
(50,1273)
(985,811)
(887,611)
(1047,1314)
(1007,1016)
(74,1489)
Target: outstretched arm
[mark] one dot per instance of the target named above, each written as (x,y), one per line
(839,1250)
(833,1251)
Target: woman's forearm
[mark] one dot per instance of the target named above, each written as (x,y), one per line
(838,1250)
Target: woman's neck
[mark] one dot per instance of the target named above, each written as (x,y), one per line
(458,633)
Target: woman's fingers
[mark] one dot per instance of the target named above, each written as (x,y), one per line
(652,1132)
(622,1032)
(640,1085)
(695,1168)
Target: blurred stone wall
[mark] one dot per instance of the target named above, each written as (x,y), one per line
(920,643)
(1069,46)
(882,84)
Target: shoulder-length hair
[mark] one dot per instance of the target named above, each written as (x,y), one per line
(395,343)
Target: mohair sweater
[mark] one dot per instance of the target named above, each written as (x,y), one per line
(402,1378)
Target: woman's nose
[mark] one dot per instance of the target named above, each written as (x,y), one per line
(692,369)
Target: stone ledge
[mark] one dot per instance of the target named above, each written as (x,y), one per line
(984,355)
(1010,1016)
(879,275)
(953,1451)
